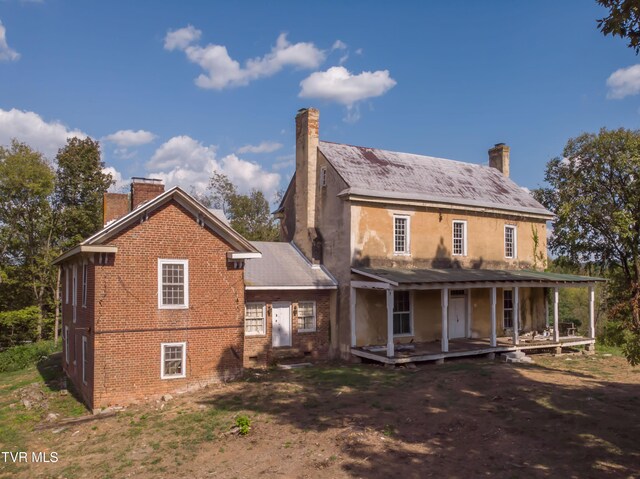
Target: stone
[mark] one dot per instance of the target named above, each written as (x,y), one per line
(167,397)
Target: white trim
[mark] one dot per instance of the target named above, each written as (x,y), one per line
(390,348)
(84,359)
(515,241)
(85,281)
(352,314)
(282,305)
(464,237)
(66,285)
(444,306)
(264,318)
(66,344)
(407,234)
(183,262)
(410,334)
(241,255)
(315,318)
(85,249)
(74,291)
(592,316)
(323,176)
(286,288)
(184,361)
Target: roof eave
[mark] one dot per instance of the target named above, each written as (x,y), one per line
(84,249)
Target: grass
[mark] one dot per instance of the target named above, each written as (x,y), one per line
(23,356)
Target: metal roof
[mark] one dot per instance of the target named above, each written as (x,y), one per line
(388,174)
(283,266)
(458,276)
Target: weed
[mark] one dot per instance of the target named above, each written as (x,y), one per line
(244,424)
(388,430)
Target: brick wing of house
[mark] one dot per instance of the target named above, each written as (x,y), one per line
(434,258)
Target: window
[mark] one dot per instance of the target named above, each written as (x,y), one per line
(323,177)
(173,283)
(307,316)
(74,291)
(66,285)
(66,344)
(459,238)
(173,360)
(85,361)
(401,235)
(85,271)
(509,241)
(401,313)
(507,295)
(254,319)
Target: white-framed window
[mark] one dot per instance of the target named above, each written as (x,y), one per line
(74,291)
(306,316)
(510,242)
(66,344)
(85,359)
(401,234)
(323,177)
(254,319)
(402,313)
(173,283)
(459,238)
(66,284)
(85,274)
(173,360)
(507,308)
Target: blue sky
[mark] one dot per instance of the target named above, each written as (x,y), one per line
(167,89)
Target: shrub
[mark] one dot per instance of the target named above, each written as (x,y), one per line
(244,425)
(20,357)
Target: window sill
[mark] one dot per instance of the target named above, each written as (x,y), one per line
(255,335)
(307,330)
(164,306)
(404,335)
(174,377)
(401,254)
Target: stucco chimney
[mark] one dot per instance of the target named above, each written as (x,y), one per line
(114,206)
(144,189)
(305,192)
(499,158)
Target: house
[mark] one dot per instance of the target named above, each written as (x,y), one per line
(433,258)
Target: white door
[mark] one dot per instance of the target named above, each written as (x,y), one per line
(457,314)
(281,324)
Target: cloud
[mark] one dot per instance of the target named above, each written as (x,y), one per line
(128,138)
(624,82)
(30,128)
(339,45)
(264,147)
(339,85)
(6,53)
(283,162)
(222,71)
(185,161)
(120,183)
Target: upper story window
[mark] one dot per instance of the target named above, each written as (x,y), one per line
(66,284)
(173,283)
(401,231)
(401,313)
(323,177)
(507,306)
(254,319)
(174,357)
(85,273)
(510,242)
(74,290)
(307,316)
(459,238)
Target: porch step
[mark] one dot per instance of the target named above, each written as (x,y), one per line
(517,357)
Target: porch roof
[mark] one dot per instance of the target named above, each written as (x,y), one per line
(457,277)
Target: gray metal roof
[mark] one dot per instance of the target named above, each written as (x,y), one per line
(283,266)
(396,277)
(389,174)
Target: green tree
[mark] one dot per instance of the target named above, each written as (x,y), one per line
(80,186)
(623,21)
(27,227)
(248,214)
(595,194)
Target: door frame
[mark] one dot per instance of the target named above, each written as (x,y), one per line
(467,320)
(282,305)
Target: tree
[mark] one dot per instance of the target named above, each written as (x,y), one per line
(595,194)
(80,186)
(623,21)
(248,214)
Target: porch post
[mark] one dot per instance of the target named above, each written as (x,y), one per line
(494,340)
(352,306)
(390,349)
(592,315)
(546,308)
(516,316)
(444,300)
(556,326)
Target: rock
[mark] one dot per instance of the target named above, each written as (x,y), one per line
(58,430)
(412,366)
(26,403)
(64,392)
(51,417)
(167,397)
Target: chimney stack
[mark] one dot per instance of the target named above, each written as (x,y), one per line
(305,187)
(499,158)
(144,189)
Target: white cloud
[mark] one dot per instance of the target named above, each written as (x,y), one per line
(283,162)
(120,183)
(264,147)
(624,82)
(187,162)
(6,53)
(339,45)
(222,71)
(30,128)
(339,85)
(128,138)
(359,51)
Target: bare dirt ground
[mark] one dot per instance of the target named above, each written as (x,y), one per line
(570,416)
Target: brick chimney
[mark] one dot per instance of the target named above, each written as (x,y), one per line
(305,192)
(144,189)
(114,206)
(499,158)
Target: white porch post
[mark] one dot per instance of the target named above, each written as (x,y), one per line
(516,316)
(444,300)
(494,340)
(546,307)
(352,306)
(390,349)
(556,325)
(592,314)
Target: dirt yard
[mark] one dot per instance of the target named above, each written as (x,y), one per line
(570,416)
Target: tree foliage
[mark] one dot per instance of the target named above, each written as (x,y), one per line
(623,21)
(595,194)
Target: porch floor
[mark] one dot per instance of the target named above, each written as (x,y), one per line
(432,351)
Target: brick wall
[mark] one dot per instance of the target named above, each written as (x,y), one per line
(258,351)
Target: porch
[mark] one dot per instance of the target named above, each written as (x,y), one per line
(438,314)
